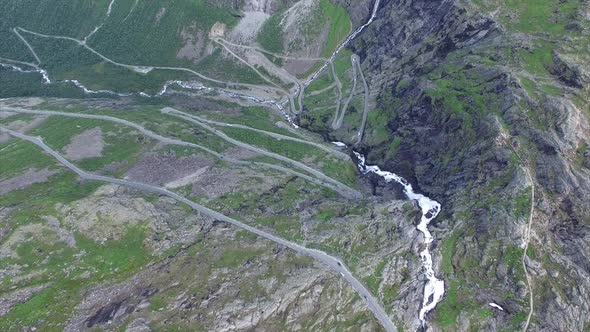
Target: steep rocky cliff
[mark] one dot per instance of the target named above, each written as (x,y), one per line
(482,105)
(477,96)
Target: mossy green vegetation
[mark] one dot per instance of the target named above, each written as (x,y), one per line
(121,143)
(277,208)
(270,36)
(332,166)
(18,156)
(539,60)
(283,225)
(450,307)
(376,130)
(60,269)
(149,33)
(72,18)
(232,258)
(457,300)
(448,248)
(373,281)
(110,261)
(339,23)
(541,16)
(67,60)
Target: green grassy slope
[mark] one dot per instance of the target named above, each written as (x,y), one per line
(72,18)
(151,32)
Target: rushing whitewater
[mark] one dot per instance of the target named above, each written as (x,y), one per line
(345,43)
(434,288)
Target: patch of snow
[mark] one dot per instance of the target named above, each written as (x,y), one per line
(494,305)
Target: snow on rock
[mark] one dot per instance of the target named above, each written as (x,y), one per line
(494,305)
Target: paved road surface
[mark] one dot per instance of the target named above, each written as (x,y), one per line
(342,187)
(353,59)
(330,262)
(339,100)
(142,68)
(330,150)
(276,55)
(172,141)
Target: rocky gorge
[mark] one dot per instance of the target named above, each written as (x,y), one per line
(469,118)
(476,122)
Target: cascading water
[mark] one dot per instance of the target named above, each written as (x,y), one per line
(344,43)
(434,289)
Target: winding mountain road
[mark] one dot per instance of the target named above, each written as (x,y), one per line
(339,100)
(336,153)
(340,121)
(351,193)
(171,141)
(331,263)
(273,69)
(141,68)
(276,55)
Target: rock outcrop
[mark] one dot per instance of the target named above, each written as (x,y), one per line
(465,129)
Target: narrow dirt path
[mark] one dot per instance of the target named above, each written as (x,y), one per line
(131,10)
(28,45)
(526,246)
(331,263)
(108,14)
(505,139)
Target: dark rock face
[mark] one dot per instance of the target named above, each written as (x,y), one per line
(392,51)
(568,73)
(468,147)
(108,313)
(359,11)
